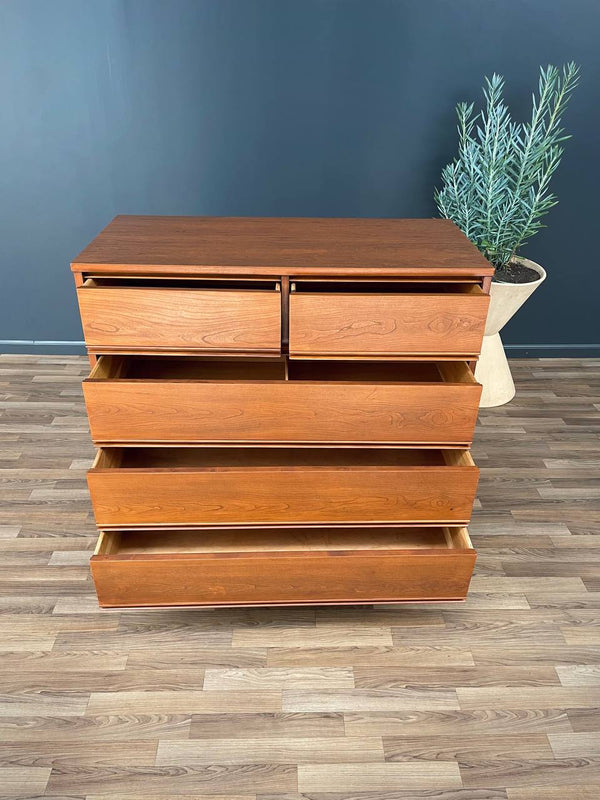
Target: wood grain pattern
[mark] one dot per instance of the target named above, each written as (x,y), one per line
(388,404)
(254,495)
(282,750)
(186,319)
(386,324)
(378,777)
(279,577)
(547,437)
(281,246)
(163,313)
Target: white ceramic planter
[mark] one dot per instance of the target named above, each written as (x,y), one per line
(492,369)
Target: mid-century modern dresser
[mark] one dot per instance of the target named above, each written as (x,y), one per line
(283,409)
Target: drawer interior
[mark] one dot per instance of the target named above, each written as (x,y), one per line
(203,284)
(187,368)
(216,369)
(186,458)
(128,543)
(387,287)
(381,371)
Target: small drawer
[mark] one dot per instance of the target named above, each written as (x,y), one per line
(213,400)
(202,486)
(386,320)
(133,315)
(279,567)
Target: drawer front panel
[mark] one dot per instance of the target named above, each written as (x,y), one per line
(137,411)
(280,578)
(387,324)
(232,496)
(181,319)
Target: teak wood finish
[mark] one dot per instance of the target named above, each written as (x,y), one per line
(401,323)
(198,401)
(275,401)
(258,246)
(286,487)
(131,570)
(191,319)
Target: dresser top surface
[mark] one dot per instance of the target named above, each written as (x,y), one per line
(282,246)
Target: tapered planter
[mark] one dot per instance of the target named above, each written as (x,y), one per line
(492,369)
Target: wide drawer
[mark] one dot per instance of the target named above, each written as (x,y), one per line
(295,566)
(179,400)
(386,319)
(121,315)
(203,486)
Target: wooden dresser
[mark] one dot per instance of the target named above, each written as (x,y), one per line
(283,409)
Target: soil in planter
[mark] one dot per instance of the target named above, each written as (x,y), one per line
(515,273)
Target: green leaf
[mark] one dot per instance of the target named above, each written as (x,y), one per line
(496,189)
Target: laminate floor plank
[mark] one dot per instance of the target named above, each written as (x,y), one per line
(553,793)
(324,635)
(429,775)
(276,750)
(496,698)
(369,700)
(573,745)
(584,720)
(50,665)
(27,605)
(38,701)
(188,655)
(280,678)
(437,677)
(513,653)
(45,753)
(143,782)
(531,772)
(268,726)
(101,728)
(466,748)
(395,794)
(529,697)
(564,600)
(192,796)
(122,680)
(23,781)
(584,635)
(163,640)
(485,723)
(182,702)
(579,674)
(410,656)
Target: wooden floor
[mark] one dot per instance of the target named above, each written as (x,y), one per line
(490,700)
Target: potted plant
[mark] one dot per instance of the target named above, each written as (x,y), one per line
(497,191)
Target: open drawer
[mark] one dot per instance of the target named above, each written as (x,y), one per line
(245,567)
(213,400)
(134,314)
(202,486)
(386,319)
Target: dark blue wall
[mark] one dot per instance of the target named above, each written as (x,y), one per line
(271,107)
